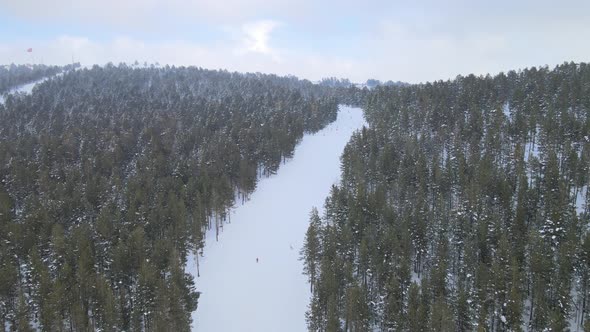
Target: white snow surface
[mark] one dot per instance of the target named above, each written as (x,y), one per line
(581,200)
(506,110)
(531,149)
(239,294)
(28,87)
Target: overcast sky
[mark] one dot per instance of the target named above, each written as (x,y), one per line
(412,41)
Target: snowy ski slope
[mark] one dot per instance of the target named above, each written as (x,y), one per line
(241,294)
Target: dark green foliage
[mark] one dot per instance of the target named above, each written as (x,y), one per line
(310,252)
(110,176)
(472,189)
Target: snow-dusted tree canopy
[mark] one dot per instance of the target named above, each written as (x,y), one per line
(110,175)
(463,205)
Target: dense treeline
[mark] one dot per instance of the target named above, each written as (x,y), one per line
(109,176)
(14,75)
(351,96)
(463,206)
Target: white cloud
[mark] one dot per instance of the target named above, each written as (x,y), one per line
(255,37)
(427,51)
(152,14)
(258,57)
(409,41)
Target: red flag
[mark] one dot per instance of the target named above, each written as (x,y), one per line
(29,50)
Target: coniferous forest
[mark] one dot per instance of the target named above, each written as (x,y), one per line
(13,75)
(463,206)
(109,176)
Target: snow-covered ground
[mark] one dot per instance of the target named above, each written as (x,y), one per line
(581,200)
(27,88)
(240,294)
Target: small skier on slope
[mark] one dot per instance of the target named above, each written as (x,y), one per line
(256,259)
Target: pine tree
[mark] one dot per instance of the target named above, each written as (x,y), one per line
(310,252)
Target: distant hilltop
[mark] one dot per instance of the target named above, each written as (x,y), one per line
(370,83)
